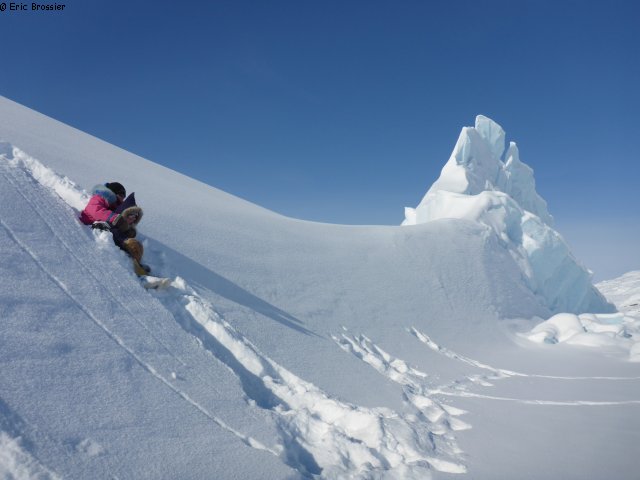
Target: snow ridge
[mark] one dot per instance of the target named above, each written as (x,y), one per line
(476,184)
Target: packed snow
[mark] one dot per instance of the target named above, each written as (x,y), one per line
(292,349)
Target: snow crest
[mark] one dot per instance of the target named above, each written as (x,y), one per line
(484,183)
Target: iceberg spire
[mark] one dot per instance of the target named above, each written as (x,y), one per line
(493,135)
(476,184)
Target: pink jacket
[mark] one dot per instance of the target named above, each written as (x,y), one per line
(100,207)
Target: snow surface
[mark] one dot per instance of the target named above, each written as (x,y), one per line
(624,292)
(283,348)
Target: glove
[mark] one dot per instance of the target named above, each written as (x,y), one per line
(120,224)
(104,226)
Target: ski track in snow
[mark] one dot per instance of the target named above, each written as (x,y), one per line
(319,435)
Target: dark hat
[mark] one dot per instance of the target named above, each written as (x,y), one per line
(116,188)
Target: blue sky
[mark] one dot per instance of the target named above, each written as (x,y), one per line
(345,111)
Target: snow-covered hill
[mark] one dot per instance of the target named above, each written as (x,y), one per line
(284,348)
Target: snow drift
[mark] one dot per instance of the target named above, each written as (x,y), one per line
(475,184)
(283,348)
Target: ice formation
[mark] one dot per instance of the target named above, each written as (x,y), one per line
(612,331)
(484,183)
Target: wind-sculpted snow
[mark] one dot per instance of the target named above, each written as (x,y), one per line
(613,331)
(319,435)
(416,389)
(284,348)
(475,184)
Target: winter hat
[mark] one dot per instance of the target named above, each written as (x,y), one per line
(116,188)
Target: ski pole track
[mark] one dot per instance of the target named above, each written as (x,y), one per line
(120,342)
(67,243)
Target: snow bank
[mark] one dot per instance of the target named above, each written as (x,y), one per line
(64,187)
(291,349)
(606,331)
(476,184)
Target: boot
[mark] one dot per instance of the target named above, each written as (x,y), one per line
(135,250)
(138,269)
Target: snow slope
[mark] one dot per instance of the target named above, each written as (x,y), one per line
(284,348)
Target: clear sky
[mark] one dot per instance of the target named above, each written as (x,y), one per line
(345,111)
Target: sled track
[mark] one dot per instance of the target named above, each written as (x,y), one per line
(122,344)
(24,170)
(14,181)
(67,244)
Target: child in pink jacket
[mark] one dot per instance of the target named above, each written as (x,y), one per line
(101,213)
(101,207)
